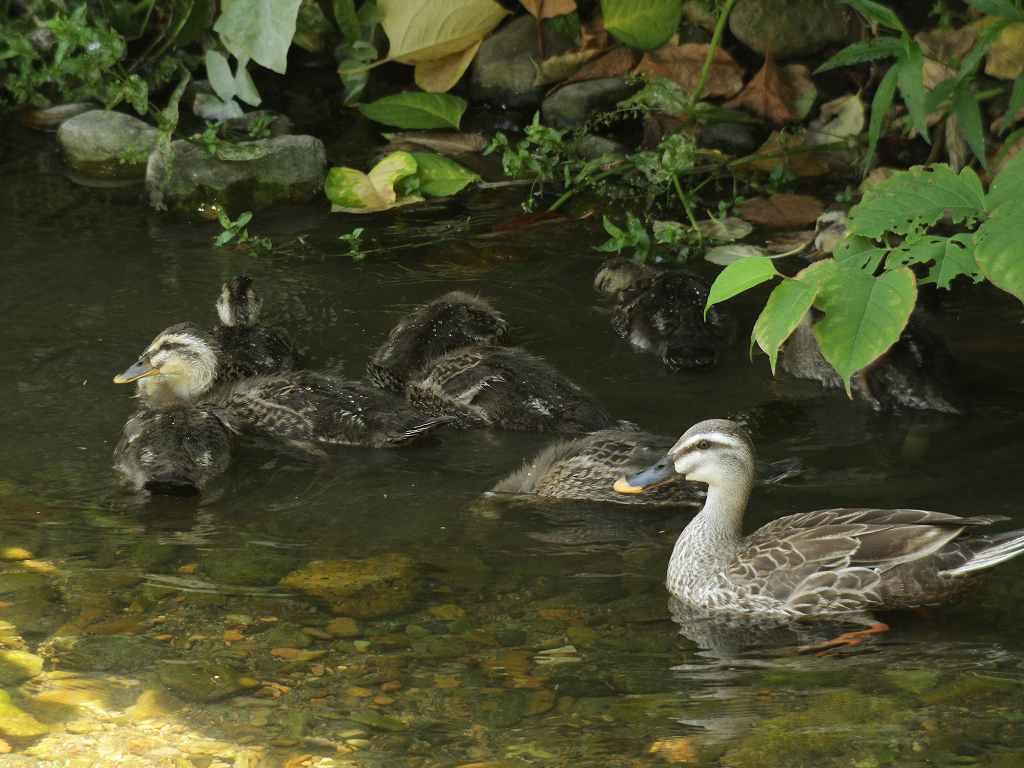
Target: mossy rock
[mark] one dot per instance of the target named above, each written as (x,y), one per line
(250,565)
(16,724)
(105,653)
(106,143)
(362,589)
(202,681)
(18,666)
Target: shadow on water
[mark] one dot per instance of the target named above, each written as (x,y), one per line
(510,632)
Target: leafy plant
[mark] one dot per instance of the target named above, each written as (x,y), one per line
(237,233)
(353,241)
(868,289)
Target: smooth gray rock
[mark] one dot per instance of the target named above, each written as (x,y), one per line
(291,169)
(506,64)
(107,143)
(788,28)
(575,103)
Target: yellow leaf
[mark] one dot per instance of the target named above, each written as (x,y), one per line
(554,69)
(416,33)
(548,9)
(440,75)
(1006,56)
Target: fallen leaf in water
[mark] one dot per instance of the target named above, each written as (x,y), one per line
(547,9)
(614,63)
(724,230)
(724,255)
(447,143)
(296,654)
(782,211)
(779,95)
(677,750)
(789,151)
(839,119)
(683,63)
(789,241)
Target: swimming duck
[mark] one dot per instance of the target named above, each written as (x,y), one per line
(451,321)
(177,450)
(585,469)
(826,562)
(661,312)
(446,360)
(247,348)
(302,408)
(916,373)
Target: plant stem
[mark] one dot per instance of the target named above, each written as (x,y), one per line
(716,39)
(688,208)
(570,192)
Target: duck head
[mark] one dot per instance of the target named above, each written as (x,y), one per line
(715,452)
(619,275)
(180,365)
(238,303)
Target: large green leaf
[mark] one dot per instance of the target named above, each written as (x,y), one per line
(415,109)
(782,313)
(999,248)
(909,202)
(218,72)
(864,316)
(419,31)
(644,24)
(950,257)
(864,50)
(260,30)
(1005,8)
(440,176)
(738,277)
(1008,185)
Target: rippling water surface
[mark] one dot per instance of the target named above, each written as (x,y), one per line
(530,634)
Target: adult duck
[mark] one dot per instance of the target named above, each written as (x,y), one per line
(824,563)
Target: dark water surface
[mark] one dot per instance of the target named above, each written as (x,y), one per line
(537,635)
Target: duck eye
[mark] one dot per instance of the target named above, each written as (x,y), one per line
(704,445)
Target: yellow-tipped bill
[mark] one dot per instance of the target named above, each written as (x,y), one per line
(140,370)
(656,474)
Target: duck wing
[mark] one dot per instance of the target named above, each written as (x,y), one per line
(839,559)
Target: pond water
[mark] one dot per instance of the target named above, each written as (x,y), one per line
(534,634)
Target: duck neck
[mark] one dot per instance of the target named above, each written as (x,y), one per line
(711,539)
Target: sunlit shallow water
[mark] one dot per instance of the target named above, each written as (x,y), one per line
(531,634)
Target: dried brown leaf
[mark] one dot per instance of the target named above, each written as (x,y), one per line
(615,63)
(790,241)
(555,69)
(547,9)
(779,95)
(946,45)
(683,63)
(782,211)
(447,142)
(790,151)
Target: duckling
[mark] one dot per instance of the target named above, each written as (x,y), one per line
(445,359)
(248,349)
(822,563)
(304,409)
(586,468)
(917,373)
(505,387)
(454,320)
(662,313)
(175,451)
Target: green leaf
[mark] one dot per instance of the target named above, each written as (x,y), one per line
(950,257)
(1005,8)
(738,277)
(260,30)
(245,88)
(909,202)
(865,50)
(440,176)
(352,191)
(999,248)
(864,316)
(415,109)
(1008,185)
(352,68)
(880,104)
(218,72)
(968,115)
(877,12)
(910,76)
(782,313)
(643,24)
(1015,105)
(860,252)
(347,19)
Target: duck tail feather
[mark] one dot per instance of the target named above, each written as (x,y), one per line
(999,549)
(422,428)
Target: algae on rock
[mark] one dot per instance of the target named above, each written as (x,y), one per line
(362,589)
